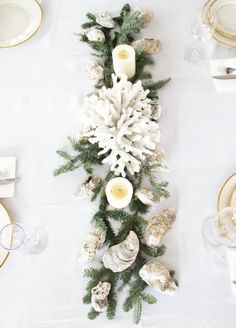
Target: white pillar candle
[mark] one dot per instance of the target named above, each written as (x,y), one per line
(124,60)
(119,192)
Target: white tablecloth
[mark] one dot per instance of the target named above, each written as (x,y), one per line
(42,86)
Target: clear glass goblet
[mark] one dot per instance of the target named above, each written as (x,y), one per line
(220,230)
(200,32)
(13,236)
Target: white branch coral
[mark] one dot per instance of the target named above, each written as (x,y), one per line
(122,124)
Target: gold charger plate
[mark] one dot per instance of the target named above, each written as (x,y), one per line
(19,21)
(227,194)
(4,220)
(222,39)
(225,12)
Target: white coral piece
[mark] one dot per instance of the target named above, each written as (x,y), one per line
(121,119)
(94,71)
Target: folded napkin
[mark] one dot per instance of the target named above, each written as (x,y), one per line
(218,68)
(8,164)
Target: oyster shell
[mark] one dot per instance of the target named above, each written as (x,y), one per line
(158,226)
(92,244)
(145,17)
(104,19)
(147,197)
(121,256)
(87,187)
(158,160)
(94,71)
(94,34)
(99,296)
(157,276)
(149,45)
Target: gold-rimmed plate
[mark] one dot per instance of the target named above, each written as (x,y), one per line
(4,220)
(225,13)
(227,196)
(19,21)
(224,40)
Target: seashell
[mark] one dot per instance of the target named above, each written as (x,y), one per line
(149,45)
(145,17)
(87,187)
(104,19)
(121,256)
(157,161)
(94,71)
(92,244)
(157,276)
(99,296)
(94,34)
(147,197)
(158,226)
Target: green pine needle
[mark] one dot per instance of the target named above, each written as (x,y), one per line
(137,310)
(150,299)
(93,314)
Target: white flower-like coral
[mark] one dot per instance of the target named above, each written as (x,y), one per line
(121,121)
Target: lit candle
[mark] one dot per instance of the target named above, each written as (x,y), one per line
(119,192)
(124,60)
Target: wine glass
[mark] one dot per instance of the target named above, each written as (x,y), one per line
(200,32)
(220,230)
(13,236)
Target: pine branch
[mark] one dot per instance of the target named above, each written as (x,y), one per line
(93,314)
(154,252)
(87,156)
(159,188)
(137,206)
(150,299)
(137,312)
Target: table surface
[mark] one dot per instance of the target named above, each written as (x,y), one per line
(42,87)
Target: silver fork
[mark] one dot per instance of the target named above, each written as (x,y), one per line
(230,70)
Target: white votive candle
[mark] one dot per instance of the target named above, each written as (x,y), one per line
(124,60)
(119,192)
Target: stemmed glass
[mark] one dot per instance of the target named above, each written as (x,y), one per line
(220,230)
(200,32)
(13,236)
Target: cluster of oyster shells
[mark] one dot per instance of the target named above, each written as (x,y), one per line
(157,276)
(158,226)
(121,256)
(149,45)
(99,296)
(88,186)
(147,196)
(92,244)
(104,19)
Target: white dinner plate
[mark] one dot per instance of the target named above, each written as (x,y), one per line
(19,21)
(4,220)
(225,12)
(226,196)
(219,37)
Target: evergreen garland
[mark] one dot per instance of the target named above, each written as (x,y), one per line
(86,155)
